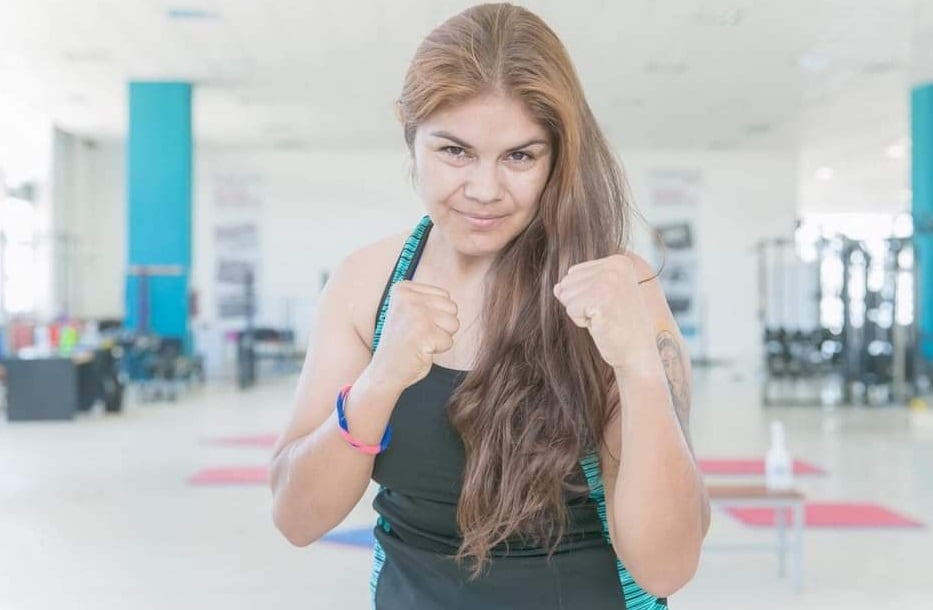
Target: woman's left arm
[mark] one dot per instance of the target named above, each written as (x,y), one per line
(657,506)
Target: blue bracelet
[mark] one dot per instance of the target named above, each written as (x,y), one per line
(345,432)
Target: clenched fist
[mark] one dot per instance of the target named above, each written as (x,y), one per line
(421,322)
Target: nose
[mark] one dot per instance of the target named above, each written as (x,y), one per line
(483,183)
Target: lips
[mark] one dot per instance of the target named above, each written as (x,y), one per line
(481,216)
(481,222)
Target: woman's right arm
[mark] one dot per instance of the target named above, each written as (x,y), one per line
(316,476)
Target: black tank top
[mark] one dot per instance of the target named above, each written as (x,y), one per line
(420,477)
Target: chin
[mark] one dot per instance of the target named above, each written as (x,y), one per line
(478,245)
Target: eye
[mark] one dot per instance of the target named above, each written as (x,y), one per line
(520,156)
(454,151)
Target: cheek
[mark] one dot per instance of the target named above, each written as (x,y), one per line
(437,181)
(527,188)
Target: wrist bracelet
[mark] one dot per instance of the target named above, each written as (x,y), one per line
(345,432)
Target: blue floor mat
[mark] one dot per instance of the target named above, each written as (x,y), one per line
(361,537)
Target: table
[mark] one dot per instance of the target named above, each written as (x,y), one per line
(783,502)
(50,388)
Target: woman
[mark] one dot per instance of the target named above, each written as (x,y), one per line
(506,384)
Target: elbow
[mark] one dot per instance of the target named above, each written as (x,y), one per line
(664,583)
(291,529)
(664,563)
(662,576)
(294,530)
(297,538)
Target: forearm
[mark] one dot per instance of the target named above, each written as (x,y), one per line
(318,479)
(660,504)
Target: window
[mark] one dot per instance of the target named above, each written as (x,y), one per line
(18,270)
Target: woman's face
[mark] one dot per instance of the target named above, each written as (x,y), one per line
(480,168)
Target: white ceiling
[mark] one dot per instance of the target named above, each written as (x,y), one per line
(829,77)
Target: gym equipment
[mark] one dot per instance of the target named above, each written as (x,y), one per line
(255,344)
(245,341)
(157,366)
(839,326)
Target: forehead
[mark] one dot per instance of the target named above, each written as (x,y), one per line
(491,121)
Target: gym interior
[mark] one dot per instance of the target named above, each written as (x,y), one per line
(178,181)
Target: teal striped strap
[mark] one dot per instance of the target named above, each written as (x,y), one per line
(636,598)
(401,270)
(398,274)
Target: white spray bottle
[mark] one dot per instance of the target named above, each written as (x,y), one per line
(779,473)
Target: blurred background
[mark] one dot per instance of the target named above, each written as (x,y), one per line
(177,180)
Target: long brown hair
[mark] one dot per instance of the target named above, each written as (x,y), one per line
(540,395)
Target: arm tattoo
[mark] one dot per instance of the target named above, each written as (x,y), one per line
(676,371)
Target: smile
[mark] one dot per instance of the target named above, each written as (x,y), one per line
(481,222)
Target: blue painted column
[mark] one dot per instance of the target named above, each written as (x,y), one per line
(922,187)
(158,179)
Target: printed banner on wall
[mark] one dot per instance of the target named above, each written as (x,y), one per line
(237,261)
(237,202)
(676,196)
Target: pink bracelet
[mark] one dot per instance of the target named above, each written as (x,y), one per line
(345,432)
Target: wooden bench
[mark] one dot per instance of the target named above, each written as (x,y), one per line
(783,502)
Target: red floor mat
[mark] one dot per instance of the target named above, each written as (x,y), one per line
(751,467)
(238,475)
(830,515)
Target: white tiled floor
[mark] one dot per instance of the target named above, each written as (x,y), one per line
(96,513)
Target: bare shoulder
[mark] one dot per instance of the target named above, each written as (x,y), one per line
(361,277)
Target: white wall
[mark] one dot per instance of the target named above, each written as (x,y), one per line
(315,207)
(89,228)
(744,196)
(26,157)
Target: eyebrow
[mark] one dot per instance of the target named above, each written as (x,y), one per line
(462,144)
